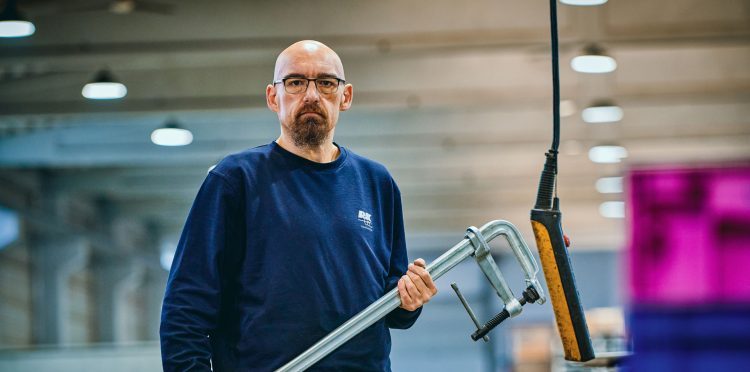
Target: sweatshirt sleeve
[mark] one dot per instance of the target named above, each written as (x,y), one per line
(193,294)
(399,318)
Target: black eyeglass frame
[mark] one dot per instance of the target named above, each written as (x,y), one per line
(283,82)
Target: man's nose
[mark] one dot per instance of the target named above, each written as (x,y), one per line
(312,94)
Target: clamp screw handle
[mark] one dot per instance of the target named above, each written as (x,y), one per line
(468,310)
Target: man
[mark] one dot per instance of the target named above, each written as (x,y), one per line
(287,241)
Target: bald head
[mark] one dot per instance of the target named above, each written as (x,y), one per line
(307,115)
(307,53)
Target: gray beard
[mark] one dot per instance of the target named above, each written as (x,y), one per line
(308,133)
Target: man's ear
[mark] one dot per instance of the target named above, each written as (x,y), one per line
(346,102)
(271,101)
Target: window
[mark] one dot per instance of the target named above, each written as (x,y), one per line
(9,227)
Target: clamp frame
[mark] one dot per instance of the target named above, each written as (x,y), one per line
(475,244)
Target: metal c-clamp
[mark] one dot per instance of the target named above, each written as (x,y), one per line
(533,292)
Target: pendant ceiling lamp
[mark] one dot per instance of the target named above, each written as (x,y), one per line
(594,60)
(104,86)
(13,23)
(171,134)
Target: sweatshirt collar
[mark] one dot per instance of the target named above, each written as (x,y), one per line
(298,160)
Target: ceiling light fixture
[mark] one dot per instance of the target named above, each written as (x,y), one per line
(583,2)
(171,134)
(104,86)
(609,185)
(612,209)
(13,23)
(593,61)
(607,154)
(602,112)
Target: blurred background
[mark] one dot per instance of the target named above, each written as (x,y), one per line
(112,112)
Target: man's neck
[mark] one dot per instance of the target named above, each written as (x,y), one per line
(325,153)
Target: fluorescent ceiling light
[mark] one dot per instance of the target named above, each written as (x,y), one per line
(609,185)
(104,86)
(593,61)
(171,135)
(16,28)
(104,90)
(583,2)
(593,64)
(602,114)
(13,23)
(612,209)
(607,154)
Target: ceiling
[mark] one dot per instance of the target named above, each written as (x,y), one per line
(453,97)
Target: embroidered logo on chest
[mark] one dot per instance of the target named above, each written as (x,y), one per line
(365,219)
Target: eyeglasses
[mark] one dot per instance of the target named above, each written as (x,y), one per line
(296,85)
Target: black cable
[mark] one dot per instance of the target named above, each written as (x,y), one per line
(555,76)
(546,197)
(555,90)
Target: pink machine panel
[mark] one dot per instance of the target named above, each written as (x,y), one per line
(689,235)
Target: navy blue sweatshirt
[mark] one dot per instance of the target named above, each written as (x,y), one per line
(277,252)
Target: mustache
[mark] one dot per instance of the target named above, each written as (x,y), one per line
(314,108)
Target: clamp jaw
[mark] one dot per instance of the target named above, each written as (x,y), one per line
(513,306)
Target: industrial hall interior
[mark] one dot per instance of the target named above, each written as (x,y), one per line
(574,176)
